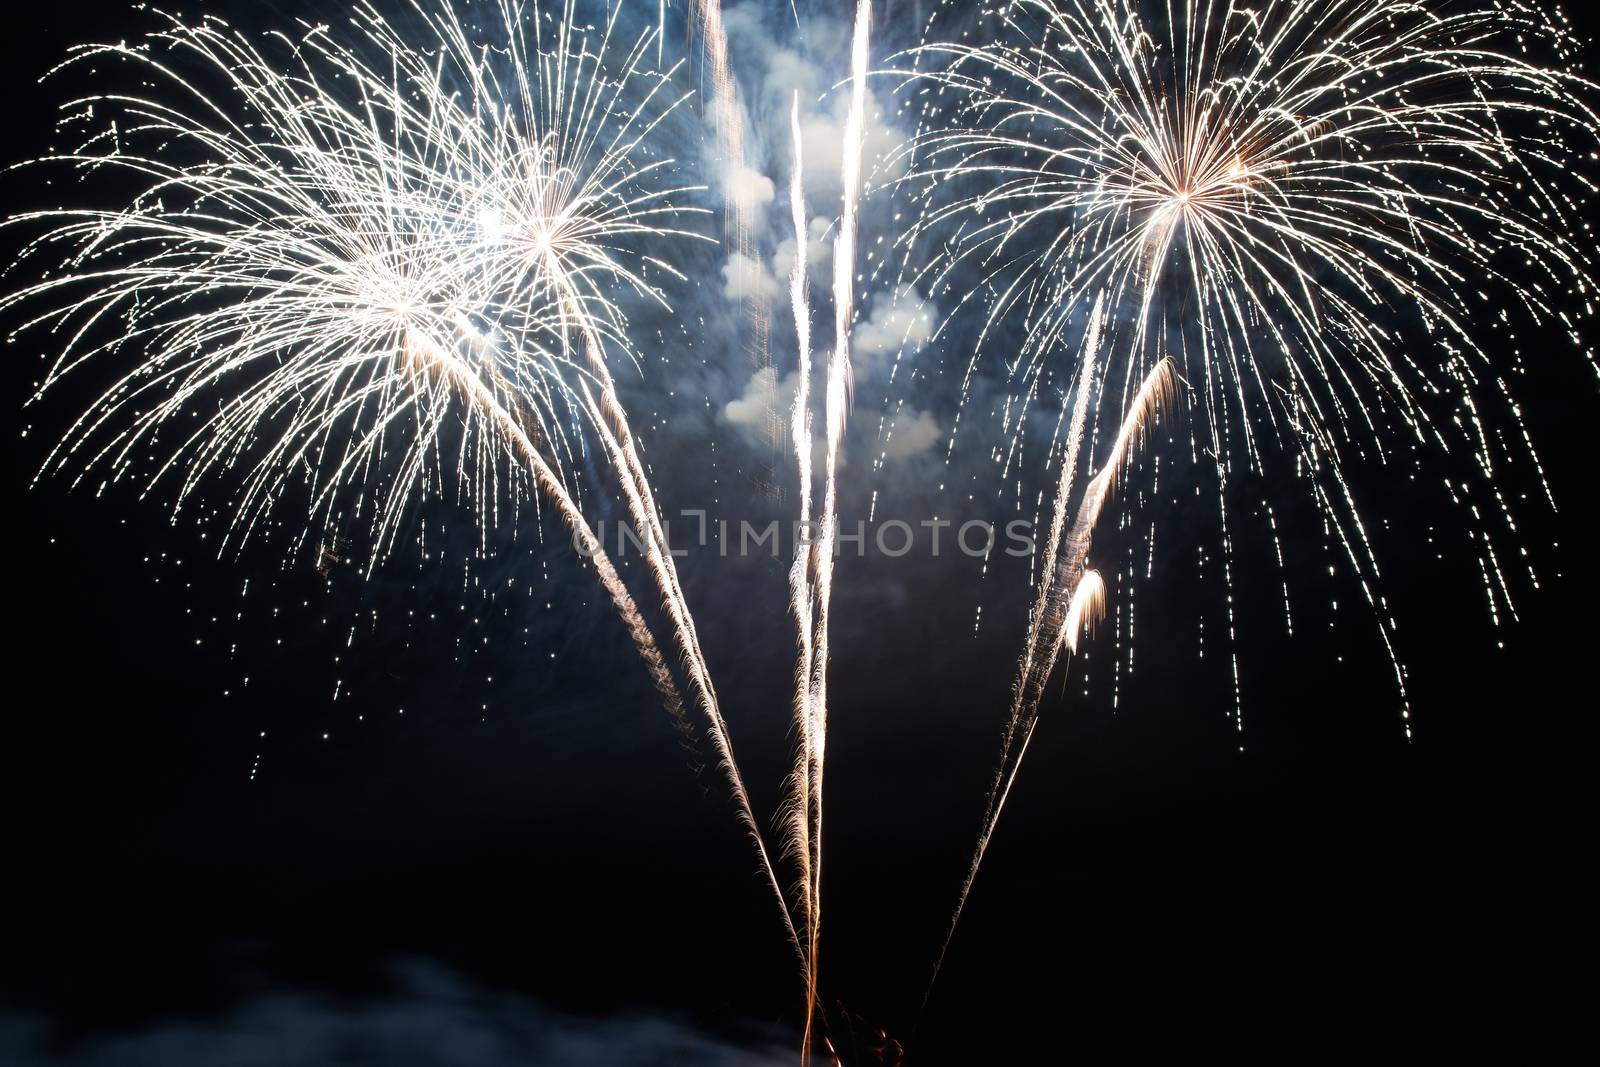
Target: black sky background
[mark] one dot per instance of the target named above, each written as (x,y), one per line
(539,837)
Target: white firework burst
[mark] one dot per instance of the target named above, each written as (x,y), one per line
(1318,209)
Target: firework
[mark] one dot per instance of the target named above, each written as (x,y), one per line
(1071,597)
(811,575)
(387,267)
(1087,608)
(1273,197)
(740,202)
(800,803)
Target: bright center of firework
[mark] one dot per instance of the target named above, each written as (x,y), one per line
(491,226)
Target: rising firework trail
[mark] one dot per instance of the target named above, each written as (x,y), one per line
(376,267)
(739,188)
(1278,198)
(800,812)
(1071,597)
(812,577)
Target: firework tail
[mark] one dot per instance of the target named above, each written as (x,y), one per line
(1069,596)
(611,423)
(430,359)
(797,814)
(729,124)
(1087,608)
(1154,393)
(308,131)
(1058,519)
(835,411)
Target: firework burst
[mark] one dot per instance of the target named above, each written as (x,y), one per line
(1311,208)
(363,270)
(317,220)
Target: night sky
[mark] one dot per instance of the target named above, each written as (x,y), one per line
(435,814)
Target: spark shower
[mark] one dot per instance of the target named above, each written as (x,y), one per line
(336,271)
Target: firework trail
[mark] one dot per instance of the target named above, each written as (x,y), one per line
(727,118)
(739,196)
(1274,196)
(1071,597)
(390,268)
(1155,393)
(811,578)
(799,811)
(1088,607)
(444,366)
(571,217)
